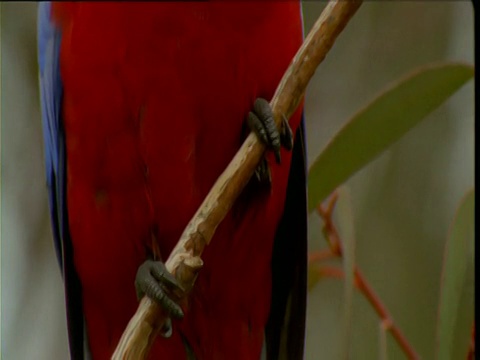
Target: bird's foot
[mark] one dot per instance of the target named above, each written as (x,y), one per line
(154,280)
(262,123)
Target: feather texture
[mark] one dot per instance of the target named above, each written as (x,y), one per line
(51,95)
(153,106)
(49,40)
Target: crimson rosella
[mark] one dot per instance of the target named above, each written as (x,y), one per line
(143,107)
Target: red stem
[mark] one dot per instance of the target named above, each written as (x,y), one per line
(332,272)
(471,351)
(333,239)
(321,255)
(382,311)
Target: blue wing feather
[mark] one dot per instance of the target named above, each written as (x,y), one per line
(50,97)
(49,39)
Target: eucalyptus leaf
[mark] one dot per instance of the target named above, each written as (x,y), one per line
(381,123)
(344,215)
(456,306)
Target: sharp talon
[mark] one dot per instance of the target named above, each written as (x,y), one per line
(262,173)
(166,331)
(278,157)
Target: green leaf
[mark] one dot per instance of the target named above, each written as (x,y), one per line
(456,307)
(344,215)
(382,122)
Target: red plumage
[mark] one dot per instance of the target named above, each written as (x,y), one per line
(155,99)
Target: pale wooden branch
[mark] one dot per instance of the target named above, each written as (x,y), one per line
(184,261)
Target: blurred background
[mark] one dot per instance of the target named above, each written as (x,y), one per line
(403,202)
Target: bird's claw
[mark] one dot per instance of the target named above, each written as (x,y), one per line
(262,123)
(154,280)
(262,172)
(166,331)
